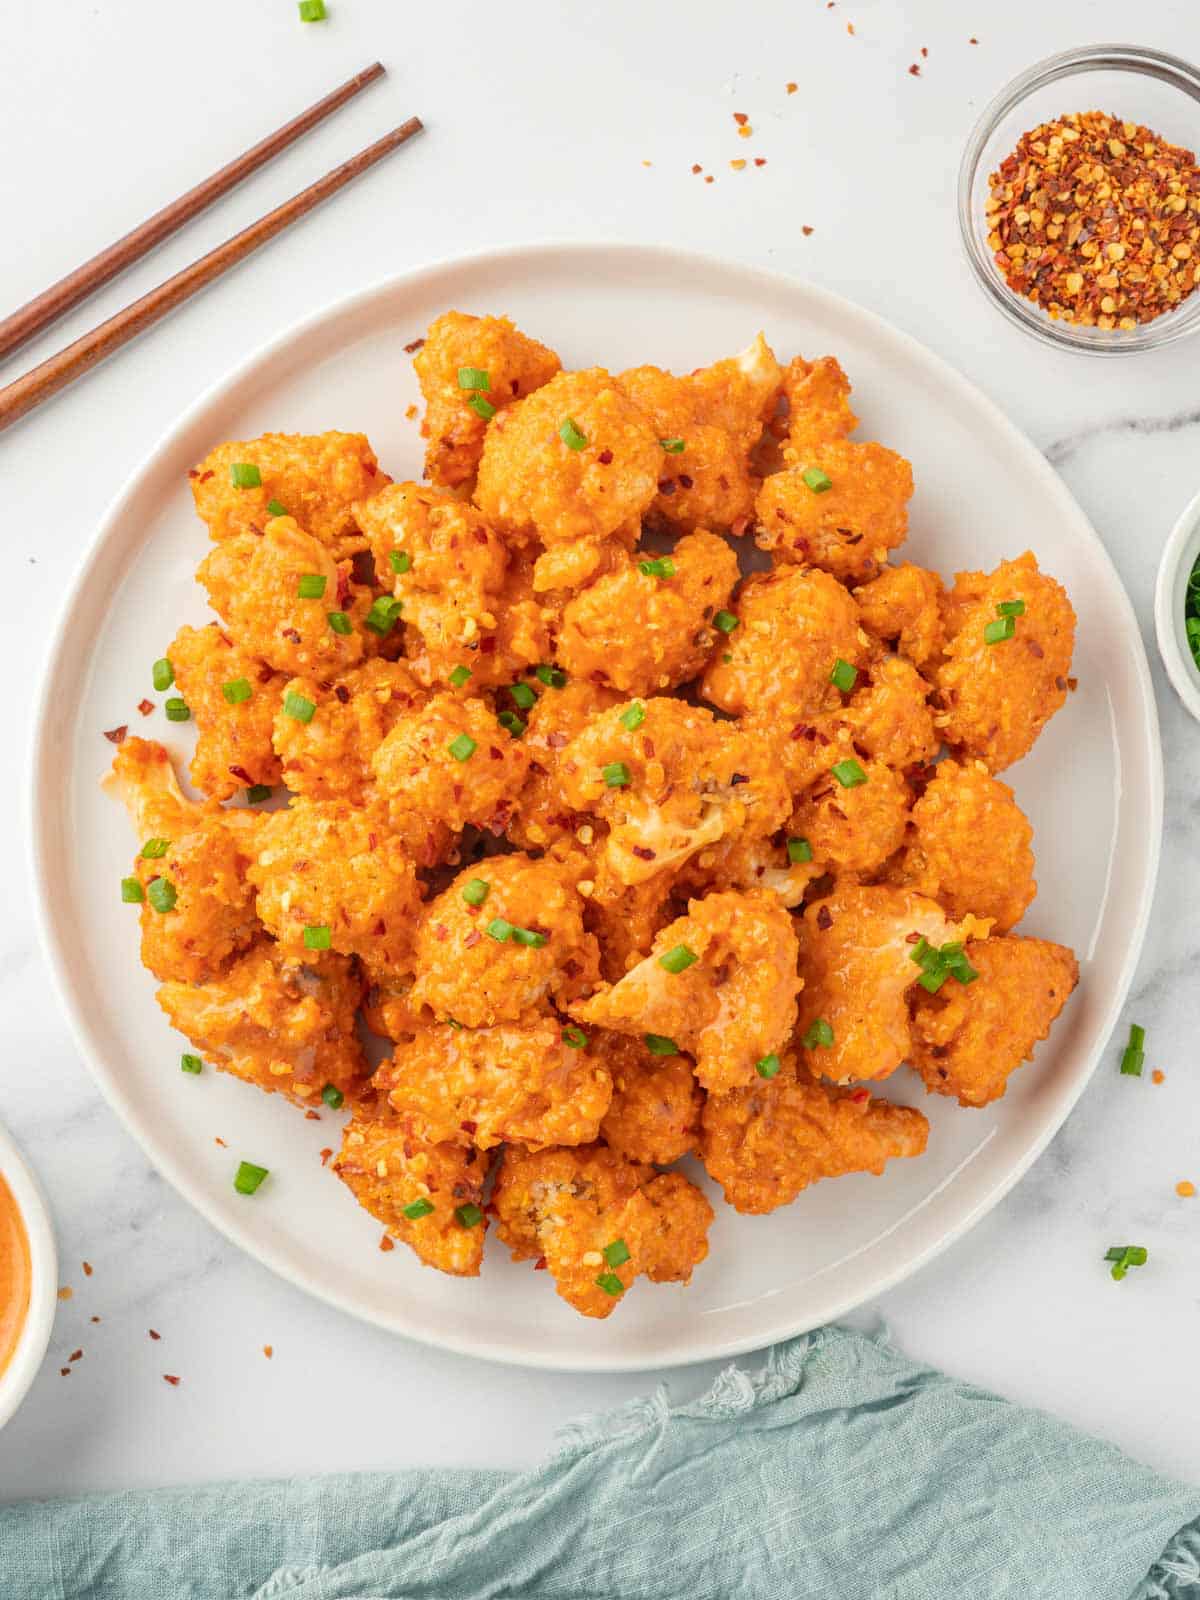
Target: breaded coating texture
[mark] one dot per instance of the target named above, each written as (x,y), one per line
(625,918)
(324,865)
(590,1215)
(998,697)
(280,1021)
(793,625)
(642,632)
(544,817)
(720,983)
(856,960)
(486,1086)
(253,584)
(451,760)
(389,1170)
(739,392)
(969,1040)
(655,1111)
(233,737)
(888,717)
(668,779)
(328,757)
(970,847)
(846,528)
(513,365)
(852,831)
(818,397)
(765,1143)
(317,478)
(903,606)
(512,949)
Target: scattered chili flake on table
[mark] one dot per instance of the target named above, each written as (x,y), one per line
(708,178)
(65,1292)
(268,1351)
(386,1243)
(972,40)
(413,346)
(93,1319)
(117,735)
(1158,1076)
(325,1155)
(806,230)
(1097,221)
(64,1372)
(1185,1189)
(153,1334)
(145,707)
(87,1268)
(76,1355)
(914,71)
(791,87)
(696,167)
(218,1140)
(169,1377)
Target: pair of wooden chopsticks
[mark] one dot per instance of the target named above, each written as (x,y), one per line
(45,380)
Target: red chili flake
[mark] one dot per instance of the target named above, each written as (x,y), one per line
(169,1377)
(153,1334)
(643,852)
(912,938)
(696,167)
(325,1155)
(64,1372)
(684,481)
(192,473)
(117,735)
(342,695)
(410,413)
(369,469)
(290,633)
(413,346)
(472,939)
(972,41)
(605,458)
(914,71)
(860,1095)
(145,707)
(540,1264)
(65,1292)
(312,1116)
(760,161)
(667,487)
(76,1355)
(487,647)
(824,918)
(268,1351)
(1072,684)
(924,52)
(806,231)
(221,1142)
(93,1319)
(386,1244)
(87,1268)
(240,772)
(791,87)
(708,178)
(469,1127)
(740,118)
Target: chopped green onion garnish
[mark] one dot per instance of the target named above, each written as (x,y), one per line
(843,676)
(468,1216)
(937,965)
(673,447)
(453,1022)
(818,1035)
(249,1177)
(381,618)
(1011,608)
(633,716)
(132,893)
(312,10)
(317,937)
(311,585)
(462,748)
(245,475)
(161,894)
(500,930)
(512,722)
(481,407)
(416,1209)
(615,774)
(1124,1256)
(190,1064)
(177,709)
(1133,1057)
(552,677)
(339,622)
(848,773)
(162,673)
(1003,628)
(523,695)
(768,1066)
(659,1045)
(571,436)
(257,792)
(155,849)
(664,567)
(679,959)
(237,690)
(399,560)
(476,892)
(459,676)
(298,707)
(817,480)
(799,850)
(575,1037)
(616,1253)
(473,378)
(610,1283)
(332,1096)
(527,937)
(274,509)
(726,621)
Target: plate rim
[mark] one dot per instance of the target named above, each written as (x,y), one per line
(38,784)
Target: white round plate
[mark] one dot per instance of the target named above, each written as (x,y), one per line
(1092,788)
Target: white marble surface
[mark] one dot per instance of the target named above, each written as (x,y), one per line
(540,120)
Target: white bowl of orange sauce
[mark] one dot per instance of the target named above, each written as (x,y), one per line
(28,1277)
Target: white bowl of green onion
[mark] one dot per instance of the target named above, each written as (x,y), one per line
(1177,607)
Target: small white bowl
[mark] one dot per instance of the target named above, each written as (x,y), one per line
(43,1288)
(1178,559)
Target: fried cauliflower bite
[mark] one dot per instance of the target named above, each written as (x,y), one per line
(317,478)
(888,717)
(903,607)
(199,914)
(969,847)
(644,633)
(486,1086)
(853,831)
(599,1221)
(793,626)
(534,484)
(233,737)
(253,584)
(544,818)
(748,864)
(849,522)
(389,1170)
(765,1143)
(738,393)
(668,778)
(281,1021)
(818,399)
(326,754)
(998,697)
(856,960)
(328,866)
(513,365)
(969,1040)
(505,941)
(654,1116)
(720,983)
(625,918)
(450,763)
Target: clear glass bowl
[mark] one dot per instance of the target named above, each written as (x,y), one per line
(1159,91)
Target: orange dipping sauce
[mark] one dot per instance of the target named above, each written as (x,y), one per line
(14,1275)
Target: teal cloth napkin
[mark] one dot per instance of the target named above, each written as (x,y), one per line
(839,1471)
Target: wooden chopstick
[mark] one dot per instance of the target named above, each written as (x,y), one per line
(45,380)
(61,297)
